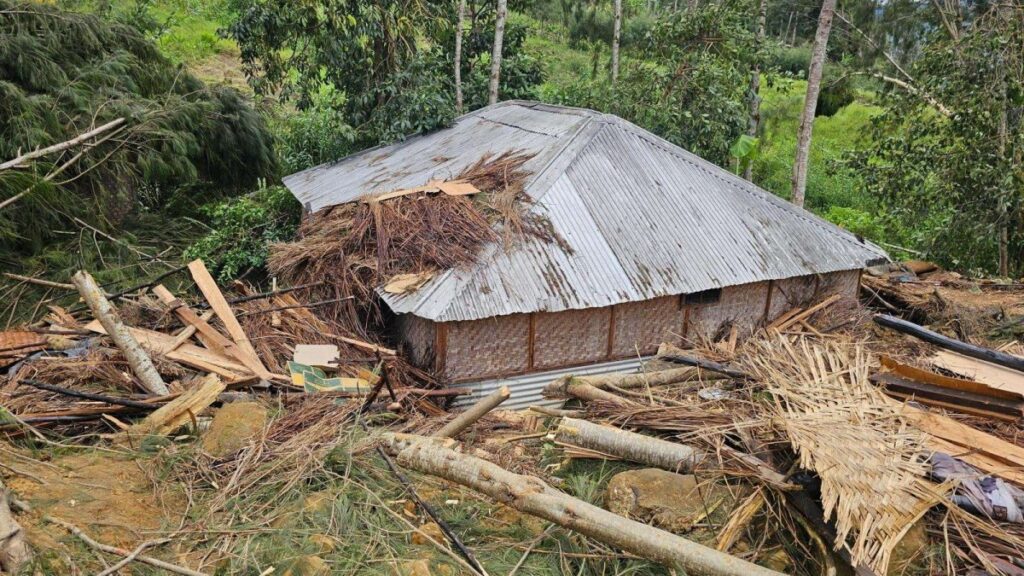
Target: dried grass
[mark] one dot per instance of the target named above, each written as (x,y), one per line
(358,246)
(873,475)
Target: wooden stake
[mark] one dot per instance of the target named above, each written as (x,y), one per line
(474,413)
(105,312)
(532,496)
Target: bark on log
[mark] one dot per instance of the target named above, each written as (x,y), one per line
(499,38)
(922,333)
(459,23)
(105,312)
(629,445)
(533,496)
(473,413)
(642,379)
(803,141)
(14,548)
(571,387)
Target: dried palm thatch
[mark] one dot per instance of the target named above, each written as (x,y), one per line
(869,460)
(359,246)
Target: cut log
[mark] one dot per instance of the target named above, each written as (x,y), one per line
(105,312)
(220,306)
(474,413)
(572,387)
(14,548)
(641,379)
(533,496)
(181,410)
(922,333)
(629,445)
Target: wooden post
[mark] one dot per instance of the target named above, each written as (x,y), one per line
(474,413)
(105,312)
(532,496)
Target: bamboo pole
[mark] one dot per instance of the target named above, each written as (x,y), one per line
(533,496)
(105,312)
(474,413)
(629,445)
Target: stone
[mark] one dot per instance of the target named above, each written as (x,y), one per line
(419,567)
(431,529)
(910,550)
(668,500)
(307,566)
(233,427)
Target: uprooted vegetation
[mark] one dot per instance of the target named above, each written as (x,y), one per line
(743,448)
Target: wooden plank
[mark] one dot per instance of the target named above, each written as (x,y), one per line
(220,306)
(921,375)
(808,312)
(987,373)
(209,335)
(964,348)
(187,354)
(950,430)
(983,462)
(956,399)
(181,410)
(189,331)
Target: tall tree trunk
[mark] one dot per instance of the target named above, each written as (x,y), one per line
(803,141)
(458,56)
(1004,235)
(499,38)
(616,33)
(755,85)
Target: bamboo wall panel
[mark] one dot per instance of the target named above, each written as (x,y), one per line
(570,337)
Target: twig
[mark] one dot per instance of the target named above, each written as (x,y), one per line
(22,159)
(121,551)
(89,395)
(291,307)
(131,557)
(526,553)
(40,281)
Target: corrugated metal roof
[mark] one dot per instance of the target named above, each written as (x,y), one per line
(643,217)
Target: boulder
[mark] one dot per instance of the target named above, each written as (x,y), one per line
(233,427)
(668,500)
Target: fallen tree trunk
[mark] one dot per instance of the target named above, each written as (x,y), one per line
(571,387)
(474,413)
(105,312)
(922,333)
(14,548)
(533,496)
(629,445)
(641,379)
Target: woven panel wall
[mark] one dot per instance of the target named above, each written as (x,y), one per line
(570,337)
(846,284)
(418,336)
(792,292)
(487,348)
(741,305)
(645,325)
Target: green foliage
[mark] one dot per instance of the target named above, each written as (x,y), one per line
(949,183)
(793,60)
(63,72)
(242,229)
(855,220)
(690,86)
(313,136)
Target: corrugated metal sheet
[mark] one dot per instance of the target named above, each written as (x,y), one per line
(643,218)
(526,389)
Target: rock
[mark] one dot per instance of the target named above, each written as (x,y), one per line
(668,500)
(431,529)
(323,542)
(415,568)
(233,427)
(910,550)
(307,566)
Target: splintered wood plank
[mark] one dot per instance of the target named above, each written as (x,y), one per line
(209,335)
(969,438)
(915,373)
(988,373)
(181,410)
(187,354)
(220,306)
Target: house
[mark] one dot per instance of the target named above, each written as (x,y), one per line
(656,245)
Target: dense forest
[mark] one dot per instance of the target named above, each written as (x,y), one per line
(171,122)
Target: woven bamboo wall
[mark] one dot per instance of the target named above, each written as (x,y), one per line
(417,336)
(805,290)
(643,325)
(487,348)
(741,305)
(570,337)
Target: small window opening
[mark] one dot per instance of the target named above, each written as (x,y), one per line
(703,297)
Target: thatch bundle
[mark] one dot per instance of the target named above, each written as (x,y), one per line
(357,247)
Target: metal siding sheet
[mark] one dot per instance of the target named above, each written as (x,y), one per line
(644,218)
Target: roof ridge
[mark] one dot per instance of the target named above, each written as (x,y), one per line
(718,173)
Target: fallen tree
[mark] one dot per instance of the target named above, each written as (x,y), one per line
(629,445)
(533,496)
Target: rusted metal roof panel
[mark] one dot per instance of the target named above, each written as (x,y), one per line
(638,216)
